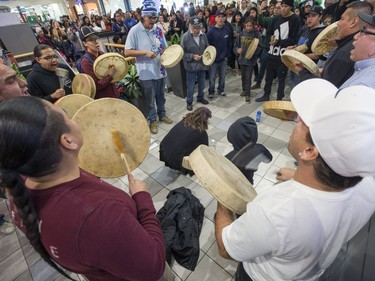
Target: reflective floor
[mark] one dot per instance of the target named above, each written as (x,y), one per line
(19,262)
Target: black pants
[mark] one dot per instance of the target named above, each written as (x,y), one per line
(279,69)
(241,274)
(247,73)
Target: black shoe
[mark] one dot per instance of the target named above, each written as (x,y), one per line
(189,107)
(263,98)
(279,98)
(203,101)
(255,86)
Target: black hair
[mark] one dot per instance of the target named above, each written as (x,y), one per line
(38,51)
(360,7)
(329,177)
(29,146)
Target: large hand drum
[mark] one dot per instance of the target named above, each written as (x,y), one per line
(103,62)
(209,55)
(252,48)
(292,58)
(221,178)
(280,109)
(84,84)
(172,56)
(72,103)
(320,45)
(99,154)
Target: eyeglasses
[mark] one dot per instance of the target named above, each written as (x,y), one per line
(94,39)
(152,18)
(364,31)
(50,57)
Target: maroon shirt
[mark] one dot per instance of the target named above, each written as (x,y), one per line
(95,229)
(104,87)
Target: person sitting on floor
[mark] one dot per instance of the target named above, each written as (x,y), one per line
(246,154)
(184,137)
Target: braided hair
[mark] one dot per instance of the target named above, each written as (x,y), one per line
(29,145)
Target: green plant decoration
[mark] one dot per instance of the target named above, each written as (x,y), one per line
(130,85)
(175,39)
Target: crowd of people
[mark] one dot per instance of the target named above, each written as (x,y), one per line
(292,231)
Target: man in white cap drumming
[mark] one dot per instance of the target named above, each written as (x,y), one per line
(294,230)
(146,42)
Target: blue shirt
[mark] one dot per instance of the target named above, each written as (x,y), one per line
(363,74)
(151,40)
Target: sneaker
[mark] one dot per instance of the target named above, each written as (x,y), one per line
(7,228)
(153,127)
(203,101)
(210,95)
(247,99)
(221,94)
(189,107)
(242,94)
(263,98)
(255,86)
(166,119)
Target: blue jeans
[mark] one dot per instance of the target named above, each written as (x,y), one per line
(153,91)
(215,67)
(191,77)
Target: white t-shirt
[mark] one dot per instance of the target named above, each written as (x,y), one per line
(294,232)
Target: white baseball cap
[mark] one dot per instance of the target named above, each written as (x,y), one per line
(341,123)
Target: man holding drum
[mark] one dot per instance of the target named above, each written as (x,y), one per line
(194,42)
(146,42)
(294,230)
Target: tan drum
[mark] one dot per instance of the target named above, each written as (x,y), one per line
(72,103)
(103,62)
(209,55)
(280,109)
(99,154)
(252,48)
(320,45)
(221,178)
(292,58)
(301,48)
(83,84)
(172,56)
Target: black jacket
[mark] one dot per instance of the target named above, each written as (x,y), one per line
(42,83)
(179,142)
(246,154)
(181,220)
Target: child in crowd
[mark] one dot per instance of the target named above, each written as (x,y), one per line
(241,45)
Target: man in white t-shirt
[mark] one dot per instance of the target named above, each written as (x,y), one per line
(294,230)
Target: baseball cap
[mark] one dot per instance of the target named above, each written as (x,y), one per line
(86,31)
(308,3)
(195,21)
(317,10)
(219,12)
(369,19)
(341,123)
(288,2)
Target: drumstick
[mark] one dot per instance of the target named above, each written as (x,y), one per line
(120,148)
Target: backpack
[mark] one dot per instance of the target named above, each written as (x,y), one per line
(79,62)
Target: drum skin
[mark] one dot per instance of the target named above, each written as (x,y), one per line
(83,84)
(222,178)
(72,103)
(172,56)
(103,62)
(98,154)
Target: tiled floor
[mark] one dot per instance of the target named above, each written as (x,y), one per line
(19,262)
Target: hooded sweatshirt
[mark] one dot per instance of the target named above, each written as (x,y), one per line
(42,83)
(241,133)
